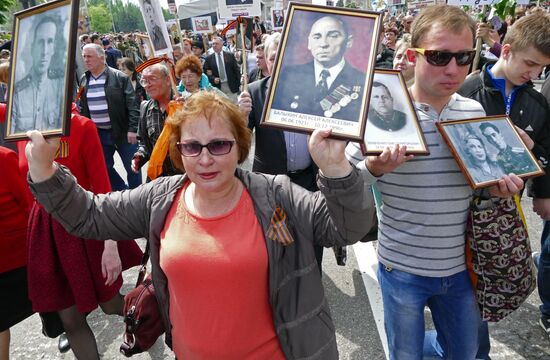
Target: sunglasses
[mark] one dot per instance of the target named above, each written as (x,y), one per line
(442,58)
(216,148)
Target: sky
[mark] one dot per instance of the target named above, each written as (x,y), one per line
(163,3)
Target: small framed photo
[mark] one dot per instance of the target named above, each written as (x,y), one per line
(277,18)
(323,72)
(488,148)
(42,70)
(202,24)
(392,118)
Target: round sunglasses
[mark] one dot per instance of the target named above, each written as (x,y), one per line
(216,147)
(442,58)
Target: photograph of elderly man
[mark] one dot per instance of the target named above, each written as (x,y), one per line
(328,85)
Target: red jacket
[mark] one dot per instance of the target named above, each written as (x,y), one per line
(14,213)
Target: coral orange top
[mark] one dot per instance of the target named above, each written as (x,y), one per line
(217,272)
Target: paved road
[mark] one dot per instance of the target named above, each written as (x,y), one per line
(356,308)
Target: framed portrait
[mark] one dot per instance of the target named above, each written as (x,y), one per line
(325,84)
(391,118)
(202,24)
(277,19)
(156,26)
(42,70)
(488,148)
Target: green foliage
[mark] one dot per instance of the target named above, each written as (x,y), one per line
(504,8)
(5,6)
(340,3)
(352,5)
(127,17)
(100,19)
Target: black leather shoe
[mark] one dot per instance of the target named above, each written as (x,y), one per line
(63,344)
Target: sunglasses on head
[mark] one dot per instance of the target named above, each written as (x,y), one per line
(216,147)
(442,58)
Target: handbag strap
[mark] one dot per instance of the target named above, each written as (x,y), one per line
(143,266)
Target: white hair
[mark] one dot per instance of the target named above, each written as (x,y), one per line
(98,49)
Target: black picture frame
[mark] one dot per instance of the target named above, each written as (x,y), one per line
(403,126)
(293,102)
(496,137)
(41,80)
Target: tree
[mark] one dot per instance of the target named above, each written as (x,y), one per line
(5,6)
(100,19)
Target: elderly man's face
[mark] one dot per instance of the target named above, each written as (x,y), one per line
(156,84)
(92,61)
(217,45)
(43,47)
(381,101)
(177,53)
(327,41)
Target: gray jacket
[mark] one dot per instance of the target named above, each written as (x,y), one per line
(341,213)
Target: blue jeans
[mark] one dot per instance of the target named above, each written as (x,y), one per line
(543,275)
(454,312)
(126,152)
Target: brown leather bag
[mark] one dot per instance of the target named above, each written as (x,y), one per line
(142,317)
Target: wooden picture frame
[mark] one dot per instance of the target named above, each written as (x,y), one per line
(392,118)
(297,99)
(488,148)
(42,70)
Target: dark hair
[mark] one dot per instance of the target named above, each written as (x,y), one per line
(486,125)
(94,37)
(345,27)
(379,84)
(45,19)
(130,65)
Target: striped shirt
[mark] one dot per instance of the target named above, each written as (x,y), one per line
(97,101)
(425,201)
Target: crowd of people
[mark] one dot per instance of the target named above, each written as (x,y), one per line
(209,223)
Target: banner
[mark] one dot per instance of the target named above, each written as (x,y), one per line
(230,9)
(156,26)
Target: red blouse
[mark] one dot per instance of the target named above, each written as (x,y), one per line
(217,270)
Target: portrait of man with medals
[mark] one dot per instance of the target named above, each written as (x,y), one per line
(328,86)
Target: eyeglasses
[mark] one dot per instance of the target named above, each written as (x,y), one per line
(442,58)
(147,81)
(216,148)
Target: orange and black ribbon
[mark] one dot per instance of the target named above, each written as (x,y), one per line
(278,230)
(232,24)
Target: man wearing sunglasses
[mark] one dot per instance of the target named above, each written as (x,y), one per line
(425,202)
(505,87)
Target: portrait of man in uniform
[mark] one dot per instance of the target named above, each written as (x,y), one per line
(328,86)
(391,118)
(512,159)
(153,27)
(37,101)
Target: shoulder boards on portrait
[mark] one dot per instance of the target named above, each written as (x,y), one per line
(23,83)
